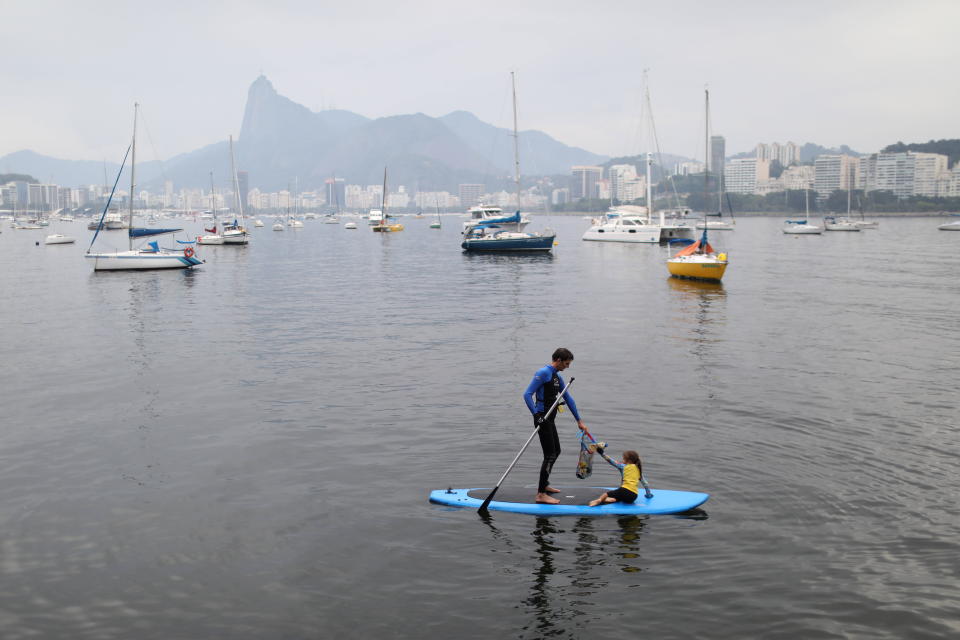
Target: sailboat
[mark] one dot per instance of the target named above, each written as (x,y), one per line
(863,223)
(150,256)
(842,223)
(698,261)
(235,233)
(436,225)
(489,236)
(213,237)
(630,223)
(383,225)
(803,227)
(719,224)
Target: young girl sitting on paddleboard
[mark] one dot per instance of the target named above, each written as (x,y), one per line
(631,475)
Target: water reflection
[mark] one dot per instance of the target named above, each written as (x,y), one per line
(560,598)
(699,316)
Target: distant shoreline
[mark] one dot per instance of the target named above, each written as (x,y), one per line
(782,214)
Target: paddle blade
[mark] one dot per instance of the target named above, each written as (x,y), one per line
(486,503)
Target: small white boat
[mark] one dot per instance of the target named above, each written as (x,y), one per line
(950,226)
(801,227)
(715,225)
(258,223)
(59,238)
(350,225)
(210,239)
(294,223)
(331,220)
(832,223)
(867,224)
(278,226)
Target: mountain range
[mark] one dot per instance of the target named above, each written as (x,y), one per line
(283,144)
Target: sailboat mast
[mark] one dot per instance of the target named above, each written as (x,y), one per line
(516,140)
(133,165)
(706,152)
(236,182)
(849,186)
(383,200)
(213,202)
(649,187)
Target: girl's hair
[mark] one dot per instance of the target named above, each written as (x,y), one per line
(632,457)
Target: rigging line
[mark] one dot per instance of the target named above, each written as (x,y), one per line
(110,199)
(153,147)
(656,144)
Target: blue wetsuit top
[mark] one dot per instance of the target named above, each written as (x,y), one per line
(535,390)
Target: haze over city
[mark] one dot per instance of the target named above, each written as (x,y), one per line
(861,74)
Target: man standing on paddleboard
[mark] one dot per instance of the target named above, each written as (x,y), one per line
(540,396)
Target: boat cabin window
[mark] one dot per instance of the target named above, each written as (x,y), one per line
(627,223)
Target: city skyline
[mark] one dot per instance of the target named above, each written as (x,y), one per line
(823,73)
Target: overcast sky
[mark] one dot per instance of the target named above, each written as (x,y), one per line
(864,74)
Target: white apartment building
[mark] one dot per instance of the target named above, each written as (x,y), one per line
(832,172)
(743,175)
(688,168)
(786,154)
(928,169)
(620,174)
(906,174)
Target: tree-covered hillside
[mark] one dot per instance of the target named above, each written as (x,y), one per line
(950,148)
(16,177)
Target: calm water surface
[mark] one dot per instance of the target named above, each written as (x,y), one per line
(246,450)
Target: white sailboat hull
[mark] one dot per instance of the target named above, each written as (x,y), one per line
(139,260)
(803,229)
(640,233)
(235,237)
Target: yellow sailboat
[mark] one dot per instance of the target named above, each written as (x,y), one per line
(698,261)
(384,225)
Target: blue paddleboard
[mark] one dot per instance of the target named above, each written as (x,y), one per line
(573,501)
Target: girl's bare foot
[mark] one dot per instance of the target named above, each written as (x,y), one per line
(543,498)
(593,503)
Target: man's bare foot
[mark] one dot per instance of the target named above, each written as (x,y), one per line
(543,498)
(552,490)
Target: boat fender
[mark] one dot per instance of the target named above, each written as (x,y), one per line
(722,257)
(188,252)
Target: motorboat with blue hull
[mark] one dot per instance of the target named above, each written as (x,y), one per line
(487,237)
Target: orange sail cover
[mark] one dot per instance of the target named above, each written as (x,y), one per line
(691,249)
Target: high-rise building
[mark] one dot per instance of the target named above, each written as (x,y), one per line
(786,154)
(335,192)
(744,174)
(833,172)
(905,174)
(620,175)
(583,182)
(718,154)
(470,195)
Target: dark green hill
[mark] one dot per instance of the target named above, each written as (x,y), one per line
(949,148)
(16,177)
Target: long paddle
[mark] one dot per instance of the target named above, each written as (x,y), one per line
(483,507)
